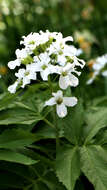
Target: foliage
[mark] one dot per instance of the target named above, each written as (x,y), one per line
(30,156)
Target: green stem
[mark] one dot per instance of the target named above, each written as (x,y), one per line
(48,122)
(54,116)
(56,129)
(50,84)
(105,85)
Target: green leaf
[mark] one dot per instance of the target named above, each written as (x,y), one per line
(16,138)
(68,166)
(94,165)
(38,156)
(18,116)
(10,180)
(101,137)
(102,101)
(8,155)
(6,99)
(73,124)
(24,171)
(96,120)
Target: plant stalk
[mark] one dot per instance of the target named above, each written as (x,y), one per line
(56,129)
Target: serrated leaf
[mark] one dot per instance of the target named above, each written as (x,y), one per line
(94,165)
(16,138)
(96,120)
(68,166)
(8,155)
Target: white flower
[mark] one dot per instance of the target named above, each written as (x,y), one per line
(26,75)
(43,66)
(98,68)
(60,43)
(61,103)
(66,78)
(13,64)
(21,54)
(30,39)
(46,53)
(100,62)
(12,88)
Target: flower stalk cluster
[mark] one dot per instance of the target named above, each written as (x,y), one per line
(47,53)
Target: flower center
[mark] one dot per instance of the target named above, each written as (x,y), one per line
(59,100)
(64,73)
(27,73)
(44,67)
(32,43)
(60,52)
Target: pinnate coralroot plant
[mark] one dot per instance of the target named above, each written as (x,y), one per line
(46,56)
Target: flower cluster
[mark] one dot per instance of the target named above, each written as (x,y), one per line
(47,53)
(98,67)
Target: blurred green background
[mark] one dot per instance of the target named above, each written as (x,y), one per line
(86,20)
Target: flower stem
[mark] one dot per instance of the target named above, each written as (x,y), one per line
(56,129)
(54,116)
(48,122)
(105,85)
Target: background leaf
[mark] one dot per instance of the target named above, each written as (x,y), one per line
(12,156)
(94,165)
(96,120)
(16,138)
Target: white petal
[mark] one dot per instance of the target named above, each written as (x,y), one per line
(81,62)
(70,101)
(59,93)
(32,76)
(69,38)
(64,82)
(104,73)
(73,80)
(90,81)
(13,64)
(20,73)
(68,67)
(25,81)
(53,69)
(12,88)
(79,52)
(61,60)
(61,110)
(97,66)
(50,102)
(44,74)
